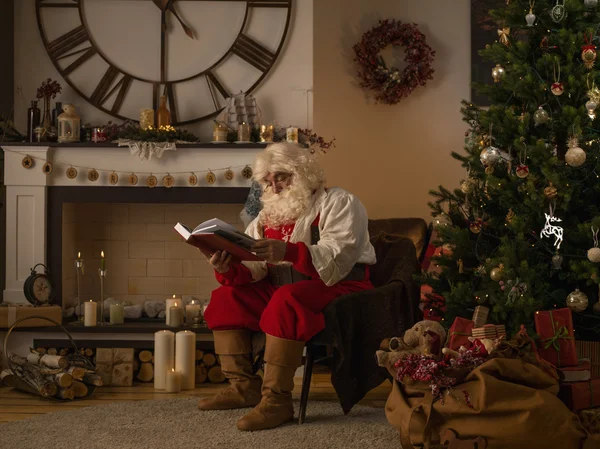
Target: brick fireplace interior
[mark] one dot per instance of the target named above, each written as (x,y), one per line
(145,258)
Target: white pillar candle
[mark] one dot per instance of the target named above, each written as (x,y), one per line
(117,314)
(173,381)
(185,358)
(90,313)
(191,311)
(164,355)
(169,303)
(175,316)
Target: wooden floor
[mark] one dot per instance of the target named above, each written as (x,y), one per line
(15,405)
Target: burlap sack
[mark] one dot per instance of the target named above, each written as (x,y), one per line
(514,405)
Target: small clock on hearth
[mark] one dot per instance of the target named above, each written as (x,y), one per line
(38,287)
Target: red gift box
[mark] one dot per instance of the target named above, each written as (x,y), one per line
(581,395)
(557,343)
(459,333)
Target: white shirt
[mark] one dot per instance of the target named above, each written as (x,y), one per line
(344,236)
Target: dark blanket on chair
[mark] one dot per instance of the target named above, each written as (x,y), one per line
(357,323)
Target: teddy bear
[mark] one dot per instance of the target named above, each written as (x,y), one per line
(424,338)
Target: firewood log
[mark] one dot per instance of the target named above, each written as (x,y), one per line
(145,356)
(88,352)
(51,361)
(215,374)
(199,354)
(79,389)
(63,380)
(63,352)
(201,373)
(93,379)
(40,351)
(65,393)
(76,372)
(209,359)
(146,373)
(52,351)
(31,375)
(7,377)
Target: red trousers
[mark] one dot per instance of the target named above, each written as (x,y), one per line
(293,311)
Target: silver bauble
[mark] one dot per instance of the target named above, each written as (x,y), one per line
(541,116)
(591,106)
(467,186)
(575,157)
(594,255)
(557,261)
(577,301)
(489,156)
(530,18)
(498,73)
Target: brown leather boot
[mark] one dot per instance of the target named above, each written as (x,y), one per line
(234,348)
(282,358)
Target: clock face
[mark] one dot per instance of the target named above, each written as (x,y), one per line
(42,289)
(122,55)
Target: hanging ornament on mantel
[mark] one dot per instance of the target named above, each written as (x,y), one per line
(47,168)
(192,180)
(575,156)
(168,181)
(557,88)
(558,12)
(577,301)
(71,173)
(593,254)
(27,162)
(530,17)
(93,175)
(247,172)
(151,181)
(113,178)
(229,174)
(210,177)
(588,52)
(132,179)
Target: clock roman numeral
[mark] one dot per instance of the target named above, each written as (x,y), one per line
(253,53)
(89,52)
(61,45)
(171,98)
(214,83)
(102,93)
(269,4)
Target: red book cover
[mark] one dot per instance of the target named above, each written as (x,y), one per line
(579,373)
(581,395)
(557,342)
(459,333)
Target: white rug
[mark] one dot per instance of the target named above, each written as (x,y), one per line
(178,424)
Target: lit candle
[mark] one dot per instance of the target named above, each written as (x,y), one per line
(175,316)
(191,311)
(173,382)
(168,304)
(102,265)
(185,358)
(164,357)
(90,313)
(243,132)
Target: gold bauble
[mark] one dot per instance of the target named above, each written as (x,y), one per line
(577,301)
(550,191)
(497,273)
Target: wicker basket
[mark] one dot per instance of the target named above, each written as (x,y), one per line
(76,359)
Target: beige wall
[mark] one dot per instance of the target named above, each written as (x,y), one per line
(390,156)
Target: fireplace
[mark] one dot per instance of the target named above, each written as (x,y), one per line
(49,218)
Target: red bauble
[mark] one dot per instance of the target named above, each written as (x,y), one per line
(557,89)
(522,171)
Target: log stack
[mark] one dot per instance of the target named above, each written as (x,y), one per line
(50,375)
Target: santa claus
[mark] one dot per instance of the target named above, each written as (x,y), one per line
(315,245)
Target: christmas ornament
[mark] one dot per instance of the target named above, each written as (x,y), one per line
(558,12)
(489,170)
(596,308)
(591,108)
(509,216)
(210,177)
(497,273)
(498,73)
(522,169)
(594,95)
(47,168)
(475,226)
(530,18)
(557,261)
(550,191)
(574,156)
(590,4)
(133,179)
(229,174)
(247,172)
(593,254)
(71,173)
(461,266)
(468,185)
(588,52)
(27,162)
(93,175)
(480,270)
(441,220)
(577,301)
(113,178)
(192,180)
(151,181)
(168,181)
(550,229)
(503,34)
(541,116)
(489,156)
(557,87)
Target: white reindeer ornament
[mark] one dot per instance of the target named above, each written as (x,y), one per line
(552,230)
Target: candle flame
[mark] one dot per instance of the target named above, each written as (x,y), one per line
(78,255)
(173,296)
(90,300)
(175,304)
(172,370)
(102,254)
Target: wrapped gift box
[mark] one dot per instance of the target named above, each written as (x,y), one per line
(591,420)
(581,395)
(459,333)
(487,331)
(480,316)
(115,365)
(557,342)
(9,314)
(590,350)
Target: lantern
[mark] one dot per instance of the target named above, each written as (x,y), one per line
(69,124)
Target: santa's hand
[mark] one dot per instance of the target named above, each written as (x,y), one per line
(271,250)
(220,261)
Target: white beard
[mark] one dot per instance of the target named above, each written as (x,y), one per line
(286,207)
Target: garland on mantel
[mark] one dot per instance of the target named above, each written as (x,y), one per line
(132,178)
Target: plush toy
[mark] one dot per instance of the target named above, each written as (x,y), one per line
(424,338)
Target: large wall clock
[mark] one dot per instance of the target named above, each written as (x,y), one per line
(122,55)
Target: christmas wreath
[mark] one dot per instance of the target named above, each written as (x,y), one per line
(391,84)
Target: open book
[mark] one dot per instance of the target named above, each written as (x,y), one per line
(216,235)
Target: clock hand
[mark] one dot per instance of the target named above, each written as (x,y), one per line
(187,29)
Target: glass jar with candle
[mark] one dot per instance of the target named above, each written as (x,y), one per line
(266,133)
(243,133)
(219,132)
(69,125)
(146,118)
(117,312)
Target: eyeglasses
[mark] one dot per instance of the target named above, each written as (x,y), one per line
(278,178)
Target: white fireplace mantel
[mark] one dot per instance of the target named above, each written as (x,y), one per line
(26,189)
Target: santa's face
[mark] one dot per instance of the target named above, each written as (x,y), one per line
(278,181)
(283,200)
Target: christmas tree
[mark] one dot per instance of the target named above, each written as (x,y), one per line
(520,234)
